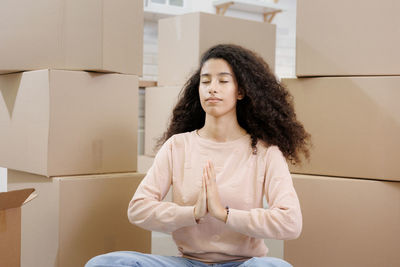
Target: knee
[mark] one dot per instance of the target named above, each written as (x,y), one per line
(111,259)
(100,260)
(95,261)
(268,262)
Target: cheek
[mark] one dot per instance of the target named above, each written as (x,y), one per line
(202,96)
(233,94)
(201,93)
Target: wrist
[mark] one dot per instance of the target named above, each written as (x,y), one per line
(196,217)
(223,214)
(226,214)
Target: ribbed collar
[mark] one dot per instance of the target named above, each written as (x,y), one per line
(214,144)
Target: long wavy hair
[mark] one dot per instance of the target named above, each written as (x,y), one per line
(266,112)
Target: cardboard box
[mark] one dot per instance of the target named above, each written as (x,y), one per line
(183,39)
(76,218)
(10,226)
(3,179)
(56,122)
(96,35)
(346,222)
(159,103)
(354,123)
(342,38)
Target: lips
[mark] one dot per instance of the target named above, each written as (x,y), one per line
(213,99)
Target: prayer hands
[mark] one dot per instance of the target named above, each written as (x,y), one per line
(209,200)
(200,209)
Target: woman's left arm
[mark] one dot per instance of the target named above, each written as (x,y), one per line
(283,219)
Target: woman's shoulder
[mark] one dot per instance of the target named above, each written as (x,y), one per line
(180,138)
(269,151)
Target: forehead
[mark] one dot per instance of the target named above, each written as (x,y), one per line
(215,66)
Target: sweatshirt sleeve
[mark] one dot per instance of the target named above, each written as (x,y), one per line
(146,208)
(283,219)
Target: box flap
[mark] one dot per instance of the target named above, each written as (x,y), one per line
(15,199)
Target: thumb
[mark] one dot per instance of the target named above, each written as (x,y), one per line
(204,189)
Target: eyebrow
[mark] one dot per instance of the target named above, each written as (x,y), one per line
(219,74)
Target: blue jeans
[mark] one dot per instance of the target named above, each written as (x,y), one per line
(136,259)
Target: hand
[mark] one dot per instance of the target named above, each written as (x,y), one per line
(214,205)
(200,209)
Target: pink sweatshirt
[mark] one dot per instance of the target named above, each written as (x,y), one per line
(242,178)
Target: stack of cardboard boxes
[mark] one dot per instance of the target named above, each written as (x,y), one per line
(181,42)
(346,94)
(69,133)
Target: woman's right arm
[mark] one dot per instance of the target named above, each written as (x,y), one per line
(146,208)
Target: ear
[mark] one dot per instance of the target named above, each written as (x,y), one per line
(240,94)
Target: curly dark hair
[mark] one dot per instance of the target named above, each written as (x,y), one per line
(266,112)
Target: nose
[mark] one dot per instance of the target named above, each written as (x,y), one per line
(212,88)
(212,91)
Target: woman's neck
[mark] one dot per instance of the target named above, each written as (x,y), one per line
(221,129)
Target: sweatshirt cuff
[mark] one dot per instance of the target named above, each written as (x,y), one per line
(237,218)
(185,216)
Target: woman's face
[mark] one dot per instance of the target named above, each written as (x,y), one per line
(218,89)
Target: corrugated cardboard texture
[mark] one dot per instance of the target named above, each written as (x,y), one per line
(346,222)
(14,199)
(10,237)
(58,122)
(40,220)
(354,123)
(10,226)
(183,39)
(76,218)
(24,120)
(103,35)
(340,38)
(159,103)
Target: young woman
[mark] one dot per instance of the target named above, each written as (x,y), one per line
(225,149)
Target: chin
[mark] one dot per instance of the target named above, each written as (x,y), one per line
(216,114)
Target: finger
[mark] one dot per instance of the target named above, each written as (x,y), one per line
(204,191)
(208,167)
(206,175)
(210,176)
(210,182)
(213,175)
